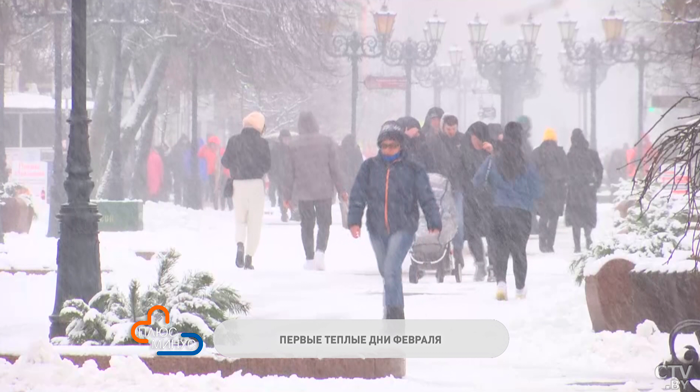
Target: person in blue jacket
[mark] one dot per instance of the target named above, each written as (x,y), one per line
(516,184)
(391,187)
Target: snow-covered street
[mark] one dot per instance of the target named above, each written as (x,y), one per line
(552,346)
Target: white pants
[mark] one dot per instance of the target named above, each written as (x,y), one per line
(249,206)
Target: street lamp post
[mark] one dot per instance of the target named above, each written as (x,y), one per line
(410,54)
(442,76)
(578,79)
(614,50)
(57,13)
(78,258)
(356,47)
(508,68)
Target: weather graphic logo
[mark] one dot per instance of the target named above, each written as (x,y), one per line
(186,344)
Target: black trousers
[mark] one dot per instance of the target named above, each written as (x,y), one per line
(210,192)
(548,231)
(577,237)
(511,231)
(312,213)
(476,247)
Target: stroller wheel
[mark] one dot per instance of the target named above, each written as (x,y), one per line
(458,273)
(413,274)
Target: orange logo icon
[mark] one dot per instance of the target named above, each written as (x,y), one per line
(148,322)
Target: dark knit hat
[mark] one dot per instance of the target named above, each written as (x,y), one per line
(408,123)
(480,130)
(391,130)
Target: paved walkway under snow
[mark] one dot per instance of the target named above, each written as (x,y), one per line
(551,346)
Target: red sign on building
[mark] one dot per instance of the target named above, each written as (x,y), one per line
(385,82)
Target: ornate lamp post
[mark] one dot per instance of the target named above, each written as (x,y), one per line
(614,50)
(442,76)
(57,12)
(118,14)
(510,69)
(356,47)
(410,54)
(578,79)
(78,274)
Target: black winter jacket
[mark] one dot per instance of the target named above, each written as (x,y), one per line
(448,157)
(552,166)
(247,155)
(392,192)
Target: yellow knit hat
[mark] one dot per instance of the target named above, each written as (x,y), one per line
(550,135)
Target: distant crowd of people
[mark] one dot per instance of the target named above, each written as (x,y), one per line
(504,190)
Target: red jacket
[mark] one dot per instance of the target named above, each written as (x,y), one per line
(154,172)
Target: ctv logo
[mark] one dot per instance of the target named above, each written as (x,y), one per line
(166,338)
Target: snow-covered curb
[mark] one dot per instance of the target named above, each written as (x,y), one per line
(679,264)
(103,351)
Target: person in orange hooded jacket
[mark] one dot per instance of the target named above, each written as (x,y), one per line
(154,174)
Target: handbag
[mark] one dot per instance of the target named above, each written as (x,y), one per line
(484,193)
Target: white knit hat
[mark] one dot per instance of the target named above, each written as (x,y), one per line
(254,120)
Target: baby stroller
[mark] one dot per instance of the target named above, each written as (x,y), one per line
(432,252)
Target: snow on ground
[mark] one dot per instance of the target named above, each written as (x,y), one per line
(551,341)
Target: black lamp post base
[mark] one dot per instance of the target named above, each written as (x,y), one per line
(79,272)
(57,328)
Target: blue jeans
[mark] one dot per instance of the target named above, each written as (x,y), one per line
(458,241)
(391,250)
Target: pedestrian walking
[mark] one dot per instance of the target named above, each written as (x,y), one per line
(211,153)
(516,186)
(315,176)
(154,174)
(180,170)
(433,121)
(350,161)
(415,144)
(551,163)
(478,204)
(279,174)
(448,157)
(585,178)
(247,157)
(391,188)
(615,167)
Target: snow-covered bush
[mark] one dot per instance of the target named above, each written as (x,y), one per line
(195,305)
(653,228)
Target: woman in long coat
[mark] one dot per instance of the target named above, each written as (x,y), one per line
(585,178)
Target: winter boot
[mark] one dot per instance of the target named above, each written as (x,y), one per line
(521,293)
(480,273)
(239,255)
(319,260)
(502,292)
(577,244)
(285,217)
(249,263)
(491,275)
(394,313)
(589,243)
